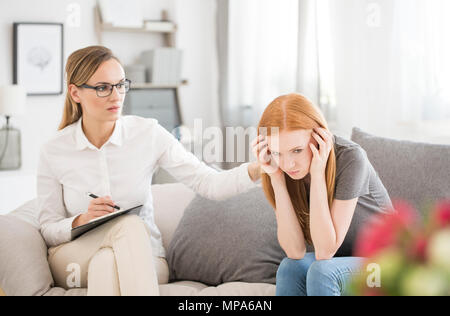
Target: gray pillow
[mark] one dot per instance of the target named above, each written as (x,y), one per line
(24,270)
(415,172)
(227,241)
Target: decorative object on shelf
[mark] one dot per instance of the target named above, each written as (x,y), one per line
(105,23)
(160,26)
(159,98)
(136,73)
(12,103)
(118,13)
(406,256)
(163,65)
(158,103)
(38,57)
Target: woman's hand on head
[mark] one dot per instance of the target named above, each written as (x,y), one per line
(97,208)
(268,165)
(325,143)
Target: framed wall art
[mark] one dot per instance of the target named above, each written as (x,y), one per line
(38,57)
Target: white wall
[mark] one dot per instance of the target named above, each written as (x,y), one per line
(196,22)
(197,38)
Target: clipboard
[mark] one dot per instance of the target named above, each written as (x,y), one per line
(80,230)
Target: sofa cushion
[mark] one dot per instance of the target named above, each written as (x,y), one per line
(24,269)
(189,288)
(416,172)
(58,291)
(227,241)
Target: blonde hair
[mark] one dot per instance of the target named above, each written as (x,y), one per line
(293,112)
(81,66)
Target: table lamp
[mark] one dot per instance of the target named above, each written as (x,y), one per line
(12,103)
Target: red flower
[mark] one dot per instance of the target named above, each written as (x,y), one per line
(373,238)
(383,232)
(374,292)
(419,248)
(442,214)
(405,216)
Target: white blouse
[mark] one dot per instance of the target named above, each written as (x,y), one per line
(70,166)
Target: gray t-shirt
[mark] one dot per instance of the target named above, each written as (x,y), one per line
(356,178)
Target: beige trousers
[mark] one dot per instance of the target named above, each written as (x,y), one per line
(113,259)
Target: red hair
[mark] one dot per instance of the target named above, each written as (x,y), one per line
(293,112)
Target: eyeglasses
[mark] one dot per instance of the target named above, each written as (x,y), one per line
(105,90)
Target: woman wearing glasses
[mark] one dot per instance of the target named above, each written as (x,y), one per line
(97,150)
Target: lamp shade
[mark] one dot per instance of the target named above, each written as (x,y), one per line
(12,100)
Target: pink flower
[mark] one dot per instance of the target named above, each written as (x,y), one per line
(442,215)
(384,231)
(373,292)
(419,248)
(373,238)
(405,216)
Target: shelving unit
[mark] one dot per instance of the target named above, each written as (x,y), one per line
(149,27)
(147,99)
(157,86)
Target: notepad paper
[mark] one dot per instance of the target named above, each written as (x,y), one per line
(80,230)
(105,216)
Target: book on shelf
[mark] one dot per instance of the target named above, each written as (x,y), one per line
(163,65)
(119,13)
(159,26)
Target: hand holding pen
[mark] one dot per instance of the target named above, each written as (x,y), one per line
(99,206)
(106,199)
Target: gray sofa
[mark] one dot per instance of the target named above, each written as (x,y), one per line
(418,173)
(415,172)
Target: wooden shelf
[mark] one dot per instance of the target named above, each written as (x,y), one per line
(149,27)
(157,86)
(165,27)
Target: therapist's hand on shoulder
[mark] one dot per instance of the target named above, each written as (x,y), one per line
(265,161)
(97,208)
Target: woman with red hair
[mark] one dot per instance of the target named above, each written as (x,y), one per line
(323,188)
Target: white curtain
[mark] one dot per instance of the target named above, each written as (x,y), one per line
(382,65)
(260,54)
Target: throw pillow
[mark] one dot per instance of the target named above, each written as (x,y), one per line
(24,270)
(226,241)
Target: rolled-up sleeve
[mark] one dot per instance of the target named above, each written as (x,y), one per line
(55,226)
(206,181)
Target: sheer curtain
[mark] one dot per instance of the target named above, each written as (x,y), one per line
(381,65)
(258,56)
(422,36)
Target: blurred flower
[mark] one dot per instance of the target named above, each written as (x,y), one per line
(391,263)
(421,281)
(439,250)
(413,257)
(384,231)
(419,248)
(443,214)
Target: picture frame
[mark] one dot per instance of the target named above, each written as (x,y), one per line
(38,57)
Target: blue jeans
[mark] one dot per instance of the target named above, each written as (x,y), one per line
(309,277)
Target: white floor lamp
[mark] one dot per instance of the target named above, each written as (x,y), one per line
(12,103)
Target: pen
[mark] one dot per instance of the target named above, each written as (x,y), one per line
(96,197)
